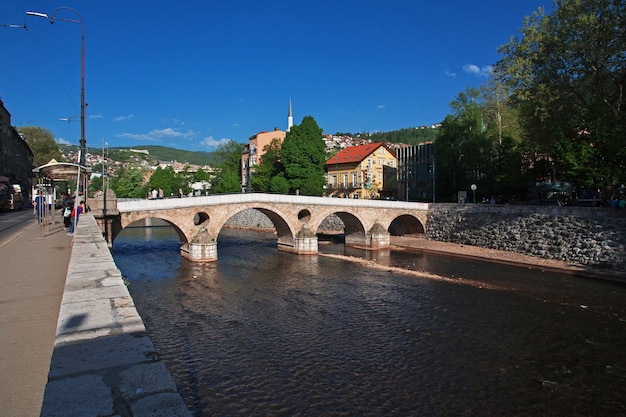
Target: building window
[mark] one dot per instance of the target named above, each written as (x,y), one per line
(345,180)
(354,179)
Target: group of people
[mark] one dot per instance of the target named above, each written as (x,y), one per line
(158,194)
(71,213)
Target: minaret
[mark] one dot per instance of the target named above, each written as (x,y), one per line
(289,116)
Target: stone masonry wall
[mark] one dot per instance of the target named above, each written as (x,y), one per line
(587,236)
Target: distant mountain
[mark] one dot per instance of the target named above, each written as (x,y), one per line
(165,154)
(150,153)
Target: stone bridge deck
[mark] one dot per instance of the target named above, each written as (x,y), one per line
(198,220)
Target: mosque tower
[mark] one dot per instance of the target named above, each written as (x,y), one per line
(289,116)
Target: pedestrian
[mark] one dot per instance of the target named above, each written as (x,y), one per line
(67,205)
(180,193)
(75,215)
(39,206)
(155,194)
(160,193)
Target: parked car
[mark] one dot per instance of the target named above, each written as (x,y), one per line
(11,197)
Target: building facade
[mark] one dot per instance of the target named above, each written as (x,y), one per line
(366,171)
(416,172)
(16,157)
(253,153)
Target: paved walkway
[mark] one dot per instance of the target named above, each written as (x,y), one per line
(72,343)
(32,279)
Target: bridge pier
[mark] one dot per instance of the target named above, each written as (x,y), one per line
(305,245)
(376,238)
(199,252)
(201,248)
(104,209)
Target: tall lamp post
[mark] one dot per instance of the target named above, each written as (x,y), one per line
(52,18)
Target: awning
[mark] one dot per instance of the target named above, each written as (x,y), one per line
(61,171)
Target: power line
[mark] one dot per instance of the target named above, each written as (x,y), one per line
(56,75)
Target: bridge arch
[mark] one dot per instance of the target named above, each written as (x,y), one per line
(406,224)
(146,218)
(284,231)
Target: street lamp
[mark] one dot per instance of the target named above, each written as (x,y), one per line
(52,18)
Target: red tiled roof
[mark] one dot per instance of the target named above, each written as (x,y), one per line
(354,154)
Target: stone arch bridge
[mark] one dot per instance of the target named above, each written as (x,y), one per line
(198,220)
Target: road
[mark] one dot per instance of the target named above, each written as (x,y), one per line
(13,223)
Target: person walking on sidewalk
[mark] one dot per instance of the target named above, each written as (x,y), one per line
(67,205)
(75,215)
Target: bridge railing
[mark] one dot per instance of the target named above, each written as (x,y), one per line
(127,205)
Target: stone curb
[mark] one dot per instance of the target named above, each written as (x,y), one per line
(104,364)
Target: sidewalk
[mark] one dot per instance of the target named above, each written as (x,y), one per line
(71,341)
(32,281)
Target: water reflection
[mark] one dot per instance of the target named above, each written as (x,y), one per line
(262,332)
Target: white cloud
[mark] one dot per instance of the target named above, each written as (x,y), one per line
(174,120)
(157,135)
(62,141)
(95,116)
(484,71)
(123,118)
(450,73)
(380,106)
(211,142)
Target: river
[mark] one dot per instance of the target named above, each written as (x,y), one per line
(267,333)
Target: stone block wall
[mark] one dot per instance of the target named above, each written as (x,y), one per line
(587,236)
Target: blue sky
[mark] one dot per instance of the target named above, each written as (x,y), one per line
(192,74)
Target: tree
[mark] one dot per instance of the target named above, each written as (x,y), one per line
(42,143)
(279,184)
(226,160)
(269,167)
(130,183)
(303,154)
(567,74)
(167,180)
(228,182)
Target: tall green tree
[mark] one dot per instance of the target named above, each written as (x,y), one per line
(226,160)
(303,154)
(567,73)
(130,183)
(269,167)
(462,148)
(167,180)
(42,143)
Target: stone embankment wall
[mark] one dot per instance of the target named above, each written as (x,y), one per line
(582,235)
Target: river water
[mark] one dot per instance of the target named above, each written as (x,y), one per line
(267,333)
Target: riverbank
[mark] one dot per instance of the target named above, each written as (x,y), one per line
(423,245)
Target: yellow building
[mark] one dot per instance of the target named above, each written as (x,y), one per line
(366,171)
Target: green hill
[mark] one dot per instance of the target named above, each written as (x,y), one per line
(163,153)
(153,155)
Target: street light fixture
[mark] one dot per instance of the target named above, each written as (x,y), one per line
(52,18)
